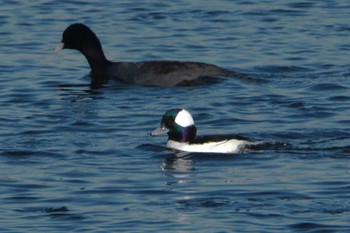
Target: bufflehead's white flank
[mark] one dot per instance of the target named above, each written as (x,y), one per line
(149,73)
(179,125)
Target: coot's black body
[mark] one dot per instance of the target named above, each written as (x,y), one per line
(149,73)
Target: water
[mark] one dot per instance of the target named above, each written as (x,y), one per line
(74,158)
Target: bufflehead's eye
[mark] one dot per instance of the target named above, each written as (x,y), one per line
(169,121)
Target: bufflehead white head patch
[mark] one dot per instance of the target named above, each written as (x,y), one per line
(184,118)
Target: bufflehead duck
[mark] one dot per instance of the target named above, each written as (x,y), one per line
(179,125)
(150,73)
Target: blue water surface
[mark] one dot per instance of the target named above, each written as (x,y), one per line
(80,159)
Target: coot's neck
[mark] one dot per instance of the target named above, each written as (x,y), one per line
(96,59)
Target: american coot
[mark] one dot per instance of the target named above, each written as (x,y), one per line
(152,73)
(179,125)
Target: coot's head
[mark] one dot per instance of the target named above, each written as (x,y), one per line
(79,37)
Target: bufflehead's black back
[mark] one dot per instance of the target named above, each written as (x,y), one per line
(179,125)
(150,73)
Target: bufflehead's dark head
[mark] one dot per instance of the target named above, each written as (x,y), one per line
(79,37)
(178,124)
